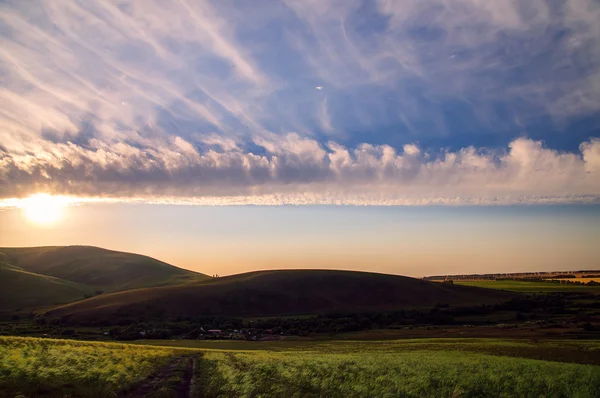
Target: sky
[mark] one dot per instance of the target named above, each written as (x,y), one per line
(407,240)
(169,108)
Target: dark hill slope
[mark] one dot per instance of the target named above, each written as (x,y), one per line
(266,293)
(98,268)
(22,289)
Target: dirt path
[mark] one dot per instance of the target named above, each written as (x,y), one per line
(172,380)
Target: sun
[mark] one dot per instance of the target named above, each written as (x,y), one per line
(44,209)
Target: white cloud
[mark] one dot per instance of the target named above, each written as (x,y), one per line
(324,117)
(299,170)
(591,156)
(411,149)
(127,100)
(76,62)
(226,144)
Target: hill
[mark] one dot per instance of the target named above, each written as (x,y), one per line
(271,293)
(22,289)
(97,268)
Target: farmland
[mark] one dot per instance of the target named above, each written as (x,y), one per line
(525,286)
(581,279)
(422,367)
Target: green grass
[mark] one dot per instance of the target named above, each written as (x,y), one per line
(392,374)
(529,287)
(22,289)
(409,368)
(405,368)
(35,367)
(575,351)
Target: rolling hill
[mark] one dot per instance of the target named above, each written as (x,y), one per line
(22,289)
(42,276)
(271,293)
(98,268)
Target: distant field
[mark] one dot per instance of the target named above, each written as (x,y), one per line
(579,279)
(583,352)
(529,287)
(411,368)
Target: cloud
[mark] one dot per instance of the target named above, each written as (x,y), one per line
(425,102)
(65,63)
(299,170)
(324,117)
(536,58)
(243,69)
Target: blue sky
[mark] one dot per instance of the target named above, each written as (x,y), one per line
(302,102)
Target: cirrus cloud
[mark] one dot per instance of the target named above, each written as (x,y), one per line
(215,102)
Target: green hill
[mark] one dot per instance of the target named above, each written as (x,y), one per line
(8,267)
(270,293)
(22,289)
(98,268)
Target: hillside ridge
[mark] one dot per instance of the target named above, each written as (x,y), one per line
(83,270)
(276,293)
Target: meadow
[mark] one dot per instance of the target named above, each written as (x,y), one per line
(410,368)
(392,374)
(57,368)
(529,286)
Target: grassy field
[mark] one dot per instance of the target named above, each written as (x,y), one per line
(392,374)
(529,287)
(573,351)
(57,368)
(578,279)
(411,368)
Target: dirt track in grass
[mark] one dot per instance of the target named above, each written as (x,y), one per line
(172,380)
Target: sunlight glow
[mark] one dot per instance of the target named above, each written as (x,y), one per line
(44,209)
